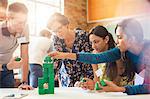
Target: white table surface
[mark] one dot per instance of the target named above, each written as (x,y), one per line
(70,93)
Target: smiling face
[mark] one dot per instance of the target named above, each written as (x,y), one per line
(17,22)
(59,29)
(98,44)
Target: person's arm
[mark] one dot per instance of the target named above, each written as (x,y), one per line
(137,89)
(1,67)
(95,68)
(89,58)
(129,89)
(13,64)
(103,57)
(25,67)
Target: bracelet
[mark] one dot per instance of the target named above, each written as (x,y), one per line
(4,67)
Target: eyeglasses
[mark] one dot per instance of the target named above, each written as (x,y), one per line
(55,30)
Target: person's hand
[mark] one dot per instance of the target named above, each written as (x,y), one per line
(13,64)
(111,87)
(25,87)
(88,84)
(57,55)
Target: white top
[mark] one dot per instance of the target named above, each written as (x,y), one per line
(38,48)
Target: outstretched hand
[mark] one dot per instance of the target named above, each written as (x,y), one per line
(111,87)
(88,84)
(57,55)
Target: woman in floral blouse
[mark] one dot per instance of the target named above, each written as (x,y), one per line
(73,41)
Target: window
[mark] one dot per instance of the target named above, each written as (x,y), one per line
(40,11)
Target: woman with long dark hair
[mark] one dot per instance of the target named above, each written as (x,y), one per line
(117,72)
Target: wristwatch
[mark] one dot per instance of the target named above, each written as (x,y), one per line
(4,67)
(24,83)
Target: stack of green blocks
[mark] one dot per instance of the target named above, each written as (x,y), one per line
(48,77)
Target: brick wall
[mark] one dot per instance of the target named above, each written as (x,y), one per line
(75,10)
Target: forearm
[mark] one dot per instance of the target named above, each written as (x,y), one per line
(137,89)
(71,56)
(1,67)
(107,56)
(25,57)
(25,71)
(95,68)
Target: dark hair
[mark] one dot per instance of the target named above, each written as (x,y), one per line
(111,67)
(102,32)
(131,28)
(111,70)
(57,17)
(129,67)
(129,72)
(17,7)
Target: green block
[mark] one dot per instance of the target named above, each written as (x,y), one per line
(46,80)
(17,59)
(83,80)
(46,91)
(51,70)
(51,66)
(46,65)
(51,89)
(40,83)
(41,91)
(48,77)
(97,86)
(47,59)
(45,76)
(51,86)
(103,83)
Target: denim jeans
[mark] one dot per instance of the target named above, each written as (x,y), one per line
(7,79)
(35,72)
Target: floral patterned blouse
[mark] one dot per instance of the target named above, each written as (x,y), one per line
(70,71)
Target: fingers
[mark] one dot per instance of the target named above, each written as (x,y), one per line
(77,84)
(53,54)
(89,84)
(25,87)
(100,91)
(84,85)
(109,83)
